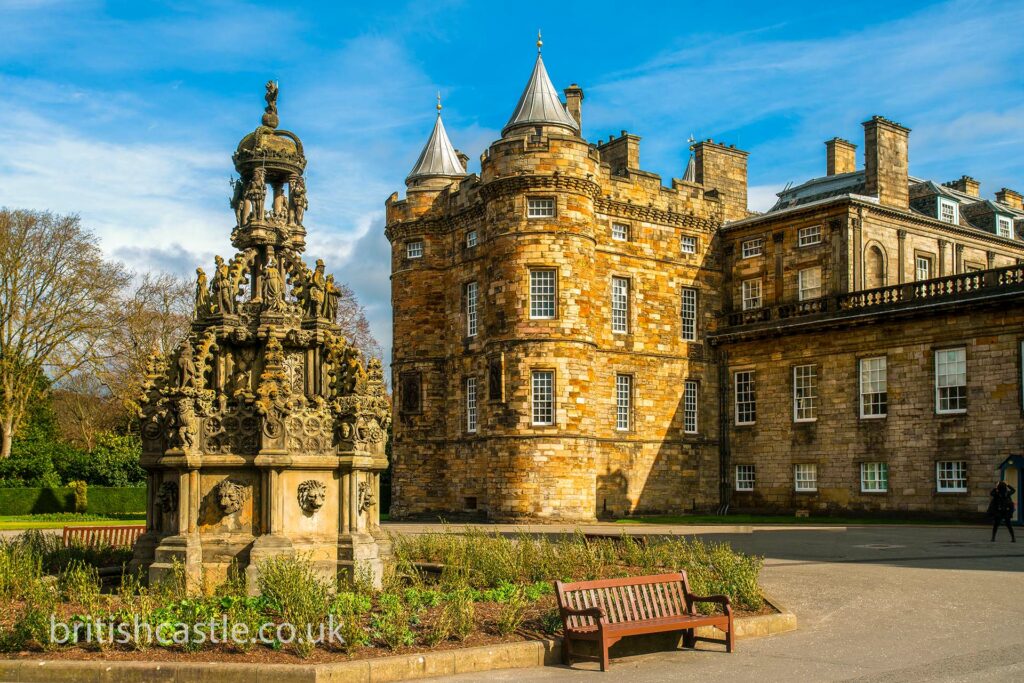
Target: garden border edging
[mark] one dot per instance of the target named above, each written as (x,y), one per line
(439,663)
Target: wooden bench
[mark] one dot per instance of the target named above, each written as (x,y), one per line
(606,611)
(114,536)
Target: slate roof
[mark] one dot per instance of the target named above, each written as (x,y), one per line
(539,104)
(438,157)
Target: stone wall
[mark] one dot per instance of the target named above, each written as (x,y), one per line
(911,439)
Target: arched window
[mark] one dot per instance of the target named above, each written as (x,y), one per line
(874,267)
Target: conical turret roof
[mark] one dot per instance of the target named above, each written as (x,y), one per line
(690,175)
(438,157)
(539,103)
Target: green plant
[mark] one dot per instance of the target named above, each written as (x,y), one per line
(298,594)
(349,608)
(81,492)
(513,611)
(459,611)
(392,624)
(80,583)
(31,625)
(551,621)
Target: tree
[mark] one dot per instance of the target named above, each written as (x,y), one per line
(58,294)
(155,315)
(354,325)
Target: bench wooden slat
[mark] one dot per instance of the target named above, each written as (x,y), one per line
(115,536)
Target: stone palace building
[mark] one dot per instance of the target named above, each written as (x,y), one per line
(575,338)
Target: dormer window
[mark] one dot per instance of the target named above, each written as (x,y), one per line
(948,211)
(1004,227)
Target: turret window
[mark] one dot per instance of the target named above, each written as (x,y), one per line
(689,314)
(543,397)
(471,308)
(620,232)
(470,239)
(540,207)
(414,249)
(471,404)
(688,244)
(542,294)
(620,305)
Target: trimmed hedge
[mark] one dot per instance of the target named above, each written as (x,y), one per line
(102,500)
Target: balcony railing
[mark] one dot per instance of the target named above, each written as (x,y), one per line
(964,285)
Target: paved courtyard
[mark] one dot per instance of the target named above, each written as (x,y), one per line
(875,603)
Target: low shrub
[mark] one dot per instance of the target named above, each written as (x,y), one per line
(298,594)
(392,622)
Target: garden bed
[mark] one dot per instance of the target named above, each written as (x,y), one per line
(484,590)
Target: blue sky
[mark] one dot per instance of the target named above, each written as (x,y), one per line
(127,112)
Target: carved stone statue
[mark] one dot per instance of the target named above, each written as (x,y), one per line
(255,196)
(231,495)
(223,294)
(186,368)
(273,286)
(317,289)
(280,205)
(270,118)
(312,494)
(237,199)
(188,424)
(167,496)
(202,293)
(298,203)
(331,295)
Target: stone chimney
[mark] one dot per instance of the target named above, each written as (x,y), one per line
(723,172)
(885,161)
(464,158)
(621,153)
(1010,198)
(574,103)
(966,184)
(840,156)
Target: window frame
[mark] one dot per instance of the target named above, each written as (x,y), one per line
(797,481)
(623,402)
(534,375)
(756,248)
(472,405)
(533,294)
(938,353)
(1009,223)
(409,249)
(471,239)
(625,231)
(688,239)
(939,488)
(691,406)
(751,394)
(800,283)
(802,239)
(812,397)
(743,294)
(929,260)
(860,387)
(882,478)
(534,212)
(621,305)
(689,324)
(943,203)
(749,482)
(472,307)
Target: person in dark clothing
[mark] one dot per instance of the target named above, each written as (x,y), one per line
(1001,508)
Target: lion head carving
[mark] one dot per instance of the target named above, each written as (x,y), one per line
(231,495)
(312,495)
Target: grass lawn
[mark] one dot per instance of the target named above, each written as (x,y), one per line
(57,520)
(779,519)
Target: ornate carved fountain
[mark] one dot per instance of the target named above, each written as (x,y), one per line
(263,433)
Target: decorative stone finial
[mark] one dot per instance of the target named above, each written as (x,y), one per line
(540,43)
(270,119)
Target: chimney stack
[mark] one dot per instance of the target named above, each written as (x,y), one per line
(885,161)
(574,103)
(840,156)
(966,184)
(723,173)
(1010,198)
(463,158)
